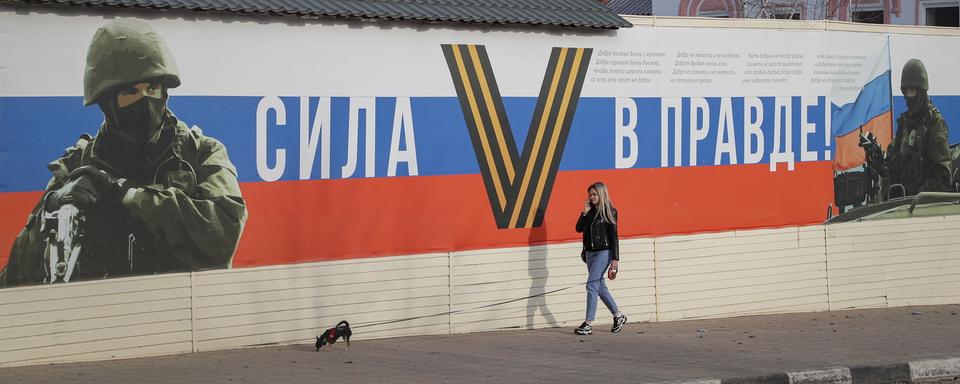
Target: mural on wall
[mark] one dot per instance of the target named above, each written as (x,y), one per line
(927,106)
(146,194)
(883,157)
(370,142)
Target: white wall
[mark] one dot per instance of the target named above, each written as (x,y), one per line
(814,268)
(95,320)
(894,263)
(741,272)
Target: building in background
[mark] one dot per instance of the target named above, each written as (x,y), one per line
(942,13)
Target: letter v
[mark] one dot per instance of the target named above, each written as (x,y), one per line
(518,187)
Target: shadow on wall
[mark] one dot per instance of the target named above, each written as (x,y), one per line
(535,266)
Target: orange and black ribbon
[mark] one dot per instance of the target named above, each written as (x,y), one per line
(518,186)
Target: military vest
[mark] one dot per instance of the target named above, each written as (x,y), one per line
(115,244)
(908,164)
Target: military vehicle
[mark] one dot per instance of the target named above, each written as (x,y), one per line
(860,189)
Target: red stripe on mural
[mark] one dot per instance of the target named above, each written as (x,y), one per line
(302,221)
(349,218)
(14,209)
(721,198)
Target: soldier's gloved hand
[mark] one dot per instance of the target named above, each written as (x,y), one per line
(81,192)
(88,187)
(109,188)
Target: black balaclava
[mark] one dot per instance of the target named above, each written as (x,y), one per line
(130,133)
(138,123)
(917,103)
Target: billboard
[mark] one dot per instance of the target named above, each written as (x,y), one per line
(283,143)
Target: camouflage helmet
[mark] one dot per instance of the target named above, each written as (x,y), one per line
(126,52)
(914,75)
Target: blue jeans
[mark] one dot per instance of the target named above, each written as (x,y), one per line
(597,264)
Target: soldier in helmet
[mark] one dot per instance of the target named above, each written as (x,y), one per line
(918,158)
(156,195)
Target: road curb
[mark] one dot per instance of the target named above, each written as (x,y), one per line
(830,375)
(918,371)
(882,374)
(934,370)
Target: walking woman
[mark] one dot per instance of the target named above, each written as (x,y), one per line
(598,223)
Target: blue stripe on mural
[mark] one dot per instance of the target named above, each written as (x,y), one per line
(35,130)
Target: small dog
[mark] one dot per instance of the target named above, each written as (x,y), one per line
(330,336)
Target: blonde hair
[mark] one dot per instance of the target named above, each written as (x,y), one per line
(605,205)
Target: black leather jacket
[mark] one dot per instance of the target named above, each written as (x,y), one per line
(599,234)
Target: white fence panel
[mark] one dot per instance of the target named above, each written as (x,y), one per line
(294,303)
(894,262)
(741,272)
(118,318)
(815,268)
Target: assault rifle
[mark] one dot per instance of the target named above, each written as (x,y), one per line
(872,167)
(63,230)
(856,188)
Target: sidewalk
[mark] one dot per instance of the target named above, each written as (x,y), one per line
(742,347)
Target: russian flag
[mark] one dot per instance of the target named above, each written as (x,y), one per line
(870,111)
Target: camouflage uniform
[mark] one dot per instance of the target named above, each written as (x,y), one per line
(178,205)
(919,158)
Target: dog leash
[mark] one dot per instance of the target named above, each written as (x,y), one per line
(475,308)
